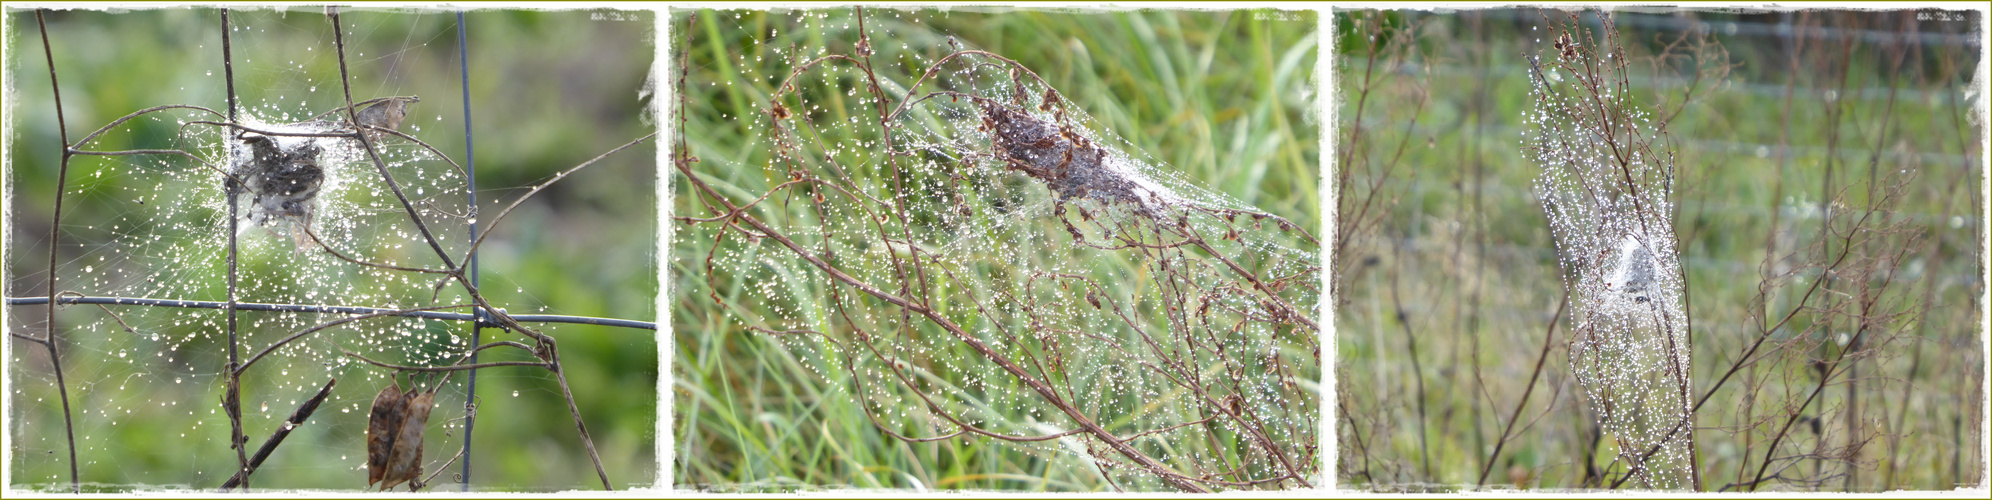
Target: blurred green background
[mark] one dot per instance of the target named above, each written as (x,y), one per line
(1224,98)
(549,90)
(1456,256)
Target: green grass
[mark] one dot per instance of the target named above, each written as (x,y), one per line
(1464,256)
(1221,98)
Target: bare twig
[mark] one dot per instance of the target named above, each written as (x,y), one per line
(1549,334)
(48,338)
(297,418)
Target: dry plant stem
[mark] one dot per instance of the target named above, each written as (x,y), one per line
(1043,389)
(548,347)
(135,114)
(424,483)
(1765,331)
(1762,308)
(1922,320)
(1599,81)
(1188,237)
(582,427)
(335,253)
(897,174)
(48,339)
(1345,230)
(321,326)
(1833,367)
(297,418)
(541,186)
(734,217)
(1548,339)
(441,369)
(232,398)
(1350,227)
(1362,449)
(246,128)
(1417,374)
(339,40)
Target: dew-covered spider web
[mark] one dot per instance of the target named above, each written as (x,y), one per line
(1607,187)
(146,382)
(980,255)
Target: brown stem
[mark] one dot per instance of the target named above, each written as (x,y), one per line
(1527,390)
(297,418)
(1043,389)
(579,425)
(48,338)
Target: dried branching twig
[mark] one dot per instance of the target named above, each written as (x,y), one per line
(1219,327)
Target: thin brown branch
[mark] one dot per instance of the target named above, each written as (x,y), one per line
(48,338)
(296,419)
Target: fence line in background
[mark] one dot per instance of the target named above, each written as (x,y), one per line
(1763,151)
(1628,17)
(1948,97)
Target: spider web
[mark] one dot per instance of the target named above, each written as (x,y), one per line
(1606,186)
(156,227)
(1082,274)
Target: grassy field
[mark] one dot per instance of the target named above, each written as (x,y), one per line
(146,402)
(1220,99)
(1452,291)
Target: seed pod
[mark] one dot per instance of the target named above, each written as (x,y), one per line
(405,463)
(383,423)
(386,114)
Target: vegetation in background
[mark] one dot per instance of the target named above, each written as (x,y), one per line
(1220,99)
(549,90)
(1827,202)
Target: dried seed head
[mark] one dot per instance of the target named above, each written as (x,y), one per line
(779,111)
(387,114)
(404,464)
(383,423)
